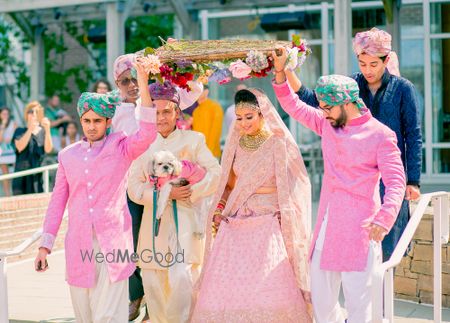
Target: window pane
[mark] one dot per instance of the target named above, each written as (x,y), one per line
(411,20)
(235,26)
(411,67)
(440,78)
(308,74)
(365,19)
(440,18)
(311,70)
(441,160)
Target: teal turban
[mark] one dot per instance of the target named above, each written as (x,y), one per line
(338,90)
(102,104)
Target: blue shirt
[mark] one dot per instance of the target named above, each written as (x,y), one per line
(395,104)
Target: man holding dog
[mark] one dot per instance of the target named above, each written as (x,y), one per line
(169,273)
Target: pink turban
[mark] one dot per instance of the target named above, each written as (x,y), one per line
(374,42)
(123,63)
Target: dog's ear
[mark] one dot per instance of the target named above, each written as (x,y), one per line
(177,166)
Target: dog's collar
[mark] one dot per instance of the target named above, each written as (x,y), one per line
(154,180)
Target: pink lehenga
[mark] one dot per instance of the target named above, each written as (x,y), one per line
(256,267)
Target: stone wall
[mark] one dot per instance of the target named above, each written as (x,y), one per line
(414,276)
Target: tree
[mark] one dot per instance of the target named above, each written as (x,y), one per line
(141,32)
(11,64)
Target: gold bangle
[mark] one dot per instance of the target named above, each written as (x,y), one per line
(279,71)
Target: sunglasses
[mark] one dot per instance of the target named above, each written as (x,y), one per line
(126,81)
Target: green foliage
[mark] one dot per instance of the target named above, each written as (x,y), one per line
(144,31)
(10,62)
(141,32)
(56,74)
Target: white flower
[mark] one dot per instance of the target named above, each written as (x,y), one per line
(292,58)
(151,64)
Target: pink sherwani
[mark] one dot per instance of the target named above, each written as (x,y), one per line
(92,181)
(354,159)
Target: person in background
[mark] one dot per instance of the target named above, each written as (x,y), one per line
(58,120)
(71,136)
(31,144)
(126,120)
(208,118)
(7,154)
(102,86)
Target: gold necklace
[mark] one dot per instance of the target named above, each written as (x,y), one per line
(253,142)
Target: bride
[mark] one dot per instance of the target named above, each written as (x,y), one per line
(256,267)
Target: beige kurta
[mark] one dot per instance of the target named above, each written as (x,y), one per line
(168,291)
(188,145)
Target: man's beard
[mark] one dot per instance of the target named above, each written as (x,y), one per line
(342,120)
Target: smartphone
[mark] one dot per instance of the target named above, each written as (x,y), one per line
(39,265)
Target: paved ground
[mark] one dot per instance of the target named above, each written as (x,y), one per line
(44,297)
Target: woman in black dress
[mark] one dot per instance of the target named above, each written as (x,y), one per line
(31,144)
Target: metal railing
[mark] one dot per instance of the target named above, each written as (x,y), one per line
(26,243)
(383,291)
(44,169)
(3,277)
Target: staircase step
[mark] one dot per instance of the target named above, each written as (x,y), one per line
(6,230)
(12,240)
(5,215)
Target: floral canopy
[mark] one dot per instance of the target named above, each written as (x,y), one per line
(182,61)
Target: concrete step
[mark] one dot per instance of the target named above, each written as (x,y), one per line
(11,228)
(17,214)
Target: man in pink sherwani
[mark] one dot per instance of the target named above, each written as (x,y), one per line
(351,223)
(91,180)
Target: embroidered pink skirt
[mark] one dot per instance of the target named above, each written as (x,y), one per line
(248,277)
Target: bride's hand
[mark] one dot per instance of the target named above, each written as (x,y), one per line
(218,218)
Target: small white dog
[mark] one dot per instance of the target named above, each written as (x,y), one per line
(169,171)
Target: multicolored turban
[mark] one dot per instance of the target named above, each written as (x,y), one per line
(123,63)
(338,90)
(374,42)
(164,91)
(102,104)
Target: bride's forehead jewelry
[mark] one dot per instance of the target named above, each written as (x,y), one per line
(247,105)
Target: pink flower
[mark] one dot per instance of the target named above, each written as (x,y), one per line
(225,80)
(240,70)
